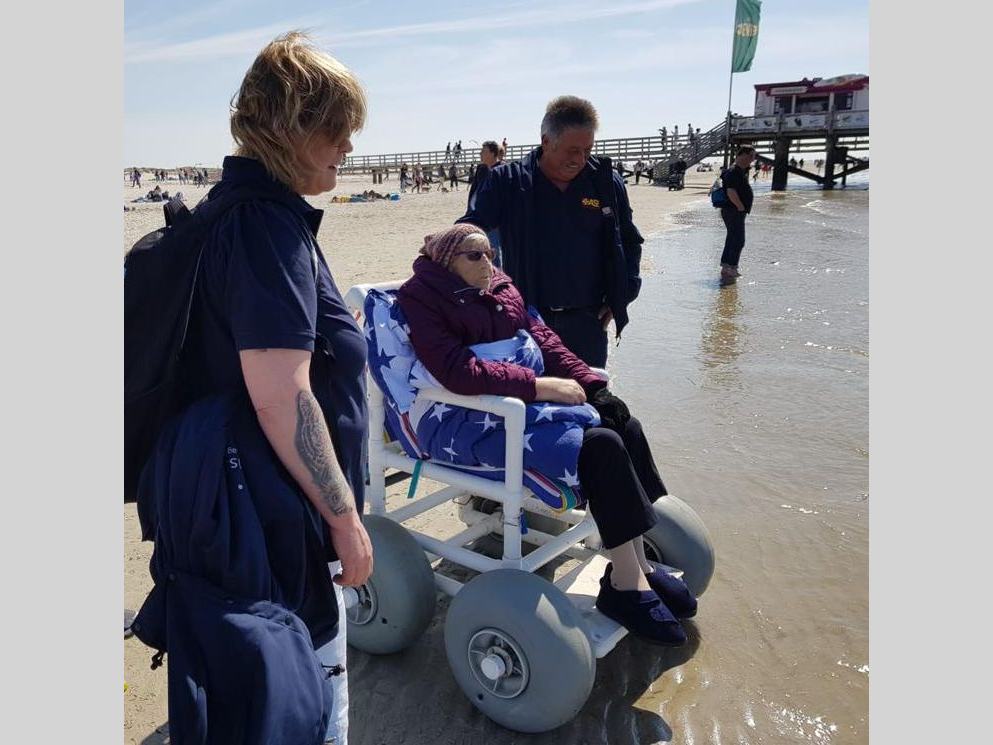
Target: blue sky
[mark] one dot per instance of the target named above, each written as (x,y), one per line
(447,70)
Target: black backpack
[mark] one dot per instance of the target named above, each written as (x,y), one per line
(160,274)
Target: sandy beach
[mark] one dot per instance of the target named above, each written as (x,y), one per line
(638,698)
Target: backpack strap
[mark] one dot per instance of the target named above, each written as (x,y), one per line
(176,212)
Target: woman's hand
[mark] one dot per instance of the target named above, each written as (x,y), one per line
(351,544)
(559,390)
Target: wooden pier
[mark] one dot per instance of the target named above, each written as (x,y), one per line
(775,138)
(627,149)
(836,134)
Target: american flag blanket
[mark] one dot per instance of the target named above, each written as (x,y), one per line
(469,440)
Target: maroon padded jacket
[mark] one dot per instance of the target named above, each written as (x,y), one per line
(446,316)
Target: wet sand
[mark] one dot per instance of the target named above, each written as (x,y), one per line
(755,400)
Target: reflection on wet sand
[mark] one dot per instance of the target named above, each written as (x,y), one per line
(722,339)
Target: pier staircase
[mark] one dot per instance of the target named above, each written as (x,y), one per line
(707,144)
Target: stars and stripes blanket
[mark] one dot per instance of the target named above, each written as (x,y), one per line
(469,440)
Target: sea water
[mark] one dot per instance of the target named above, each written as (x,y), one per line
(756,399)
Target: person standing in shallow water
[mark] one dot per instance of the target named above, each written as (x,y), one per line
(739,204)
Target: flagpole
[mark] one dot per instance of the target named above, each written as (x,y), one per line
(727,126)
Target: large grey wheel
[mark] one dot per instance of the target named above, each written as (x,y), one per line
(397,602)
(680,539)
(516,646)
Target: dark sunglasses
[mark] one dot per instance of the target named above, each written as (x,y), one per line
(475,255)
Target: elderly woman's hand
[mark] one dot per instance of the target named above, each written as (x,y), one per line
(559,390)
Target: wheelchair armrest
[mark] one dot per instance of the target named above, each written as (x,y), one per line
(511,409)
(600,373)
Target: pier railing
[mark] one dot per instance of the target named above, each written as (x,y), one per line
(837,122)
(653,147)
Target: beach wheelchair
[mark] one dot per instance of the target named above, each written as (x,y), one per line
(522,649)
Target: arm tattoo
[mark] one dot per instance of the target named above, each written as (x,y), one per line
(313,443)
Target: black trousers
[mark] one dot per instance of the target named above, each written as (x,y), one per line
(619,481)
(581,331)
(735,240)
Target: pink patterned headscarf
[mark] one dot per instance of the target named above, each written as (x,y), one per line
(441,247)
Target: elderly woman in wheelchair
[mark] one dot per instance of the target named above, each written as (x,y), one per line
(457,299)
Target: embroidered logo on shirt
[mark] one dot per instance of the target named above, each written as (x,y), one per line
(591,203)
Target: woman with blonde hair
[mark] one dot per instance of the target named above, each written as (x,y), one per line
(258,484)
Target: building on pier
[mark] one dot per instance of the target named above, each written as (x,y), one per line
(809,115)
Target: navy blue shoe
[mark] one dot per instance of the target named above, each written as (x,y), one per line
(673,591)
(643,614)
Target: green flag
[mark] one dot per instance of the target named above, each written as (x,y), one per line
(746,34)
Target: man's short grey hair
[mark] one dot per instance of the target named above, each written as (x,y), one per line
(568,112)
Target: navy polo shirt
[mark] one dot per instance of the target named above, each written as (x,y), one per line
(257,290)
(570,242)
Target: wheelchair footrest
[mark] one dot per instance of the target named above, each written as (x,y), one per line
(581,586)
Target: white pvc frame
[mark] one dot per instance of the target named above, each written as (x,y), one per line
(581,540)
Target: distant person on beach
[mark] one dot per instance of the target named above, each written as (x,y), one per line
(135,178)
(800,163)
(448,150)
(792,162)
(258,483)
(550,207)
(616,470)
(403,178)
(504,144)
(739,193)
(620,167)
(453,177)
(489,156)
(675,134)
(638,168)
(664,133)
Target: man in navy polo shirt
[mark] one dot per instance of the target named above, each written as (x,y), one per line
(567,238)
